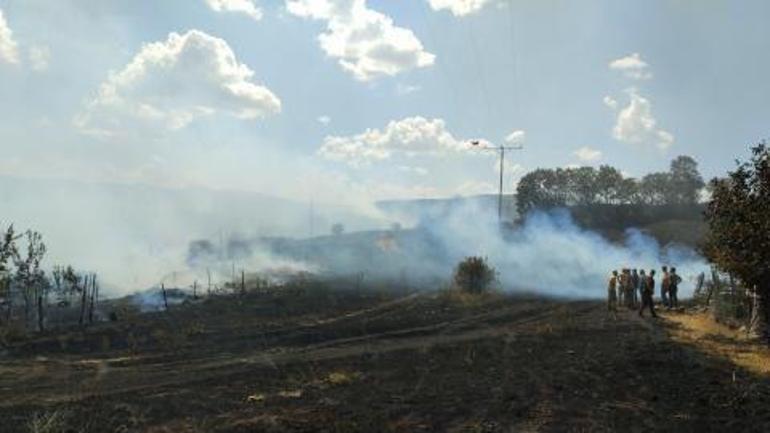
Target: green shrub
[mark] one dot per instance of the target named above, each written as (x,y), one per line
(474,275)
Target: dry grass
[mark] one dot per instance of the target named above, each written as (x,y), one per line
(465,299)
(49,422)
(342,377)
(700,330)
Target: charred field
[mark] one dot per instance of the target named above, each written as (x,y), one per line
(314,357)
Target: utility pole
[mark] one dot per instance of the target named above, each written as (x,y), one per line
(501,150)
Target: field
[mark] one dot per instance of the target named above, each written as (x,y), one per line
(316,359)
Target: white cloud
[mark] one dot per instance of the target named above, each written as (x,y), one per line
(459,7)
(516,137)
(173,82)
(39,57)
(246,7)
(588,154)
(9,51)
(632,66)
(610,102)
(636,124)
(409,137)
(324,119)
(366,42)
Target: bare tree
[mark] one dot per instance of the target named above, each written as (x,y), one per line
(8,252)
(31,278)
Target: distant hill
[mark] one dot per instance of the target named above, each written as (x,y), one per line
(422,209)
(133,234)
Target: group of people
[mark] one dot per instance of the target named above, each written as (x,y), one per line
(635,289)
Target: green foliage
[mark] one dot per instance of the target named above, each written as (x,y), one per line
(738,216)
(738,241)
(685,180)
(587,186)
(474,275)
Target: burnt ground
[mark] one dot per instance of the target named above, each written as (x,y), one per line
(328,361)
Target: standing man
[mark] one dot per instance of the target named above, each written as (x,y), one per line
(628,290)
(612,295)
(648,288)
(673,288)
(664,288)
(634,288)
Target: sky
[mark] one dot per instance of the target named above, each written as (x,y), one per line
(349,100)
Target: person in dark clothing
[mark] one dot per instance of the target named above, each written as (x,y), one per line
(648,288)
(673,287)
(635,283)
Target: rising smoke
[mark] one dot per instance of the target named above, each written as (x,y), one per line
(548,254)
(551,254)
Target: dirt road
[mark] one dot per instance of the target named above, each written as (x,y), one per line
(419,363)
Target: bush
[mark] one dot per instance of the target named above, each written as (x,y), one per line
(474,275)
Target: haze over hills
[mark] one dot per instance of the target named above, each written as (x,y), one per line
(432,208)
(133,234)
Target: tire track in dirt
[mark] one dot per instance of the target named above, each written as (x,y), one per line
(109,380)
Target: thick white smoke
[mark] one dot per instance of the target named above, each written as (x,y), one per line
(550,254)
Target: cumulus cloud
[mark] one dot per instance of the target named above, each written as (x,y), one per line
(410,137)
(324,119)
(459,7)
(516,137)
(246,7)
(365,42)
(9,51)
(632,66)
(636,124)
(588,154)
(171,83)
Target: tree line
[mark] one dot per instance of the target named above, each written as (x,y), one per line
(26,288)
(588,186)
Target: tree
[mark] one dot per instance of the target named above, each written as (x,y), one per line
(653,189)
(30,277)
(607,182)
(738,241)
(583,184)
(628,191)
(474,275)
(685,181)
(8,252)
(538,189)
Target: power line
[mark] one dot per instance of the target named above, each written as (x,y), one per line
(501,149)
